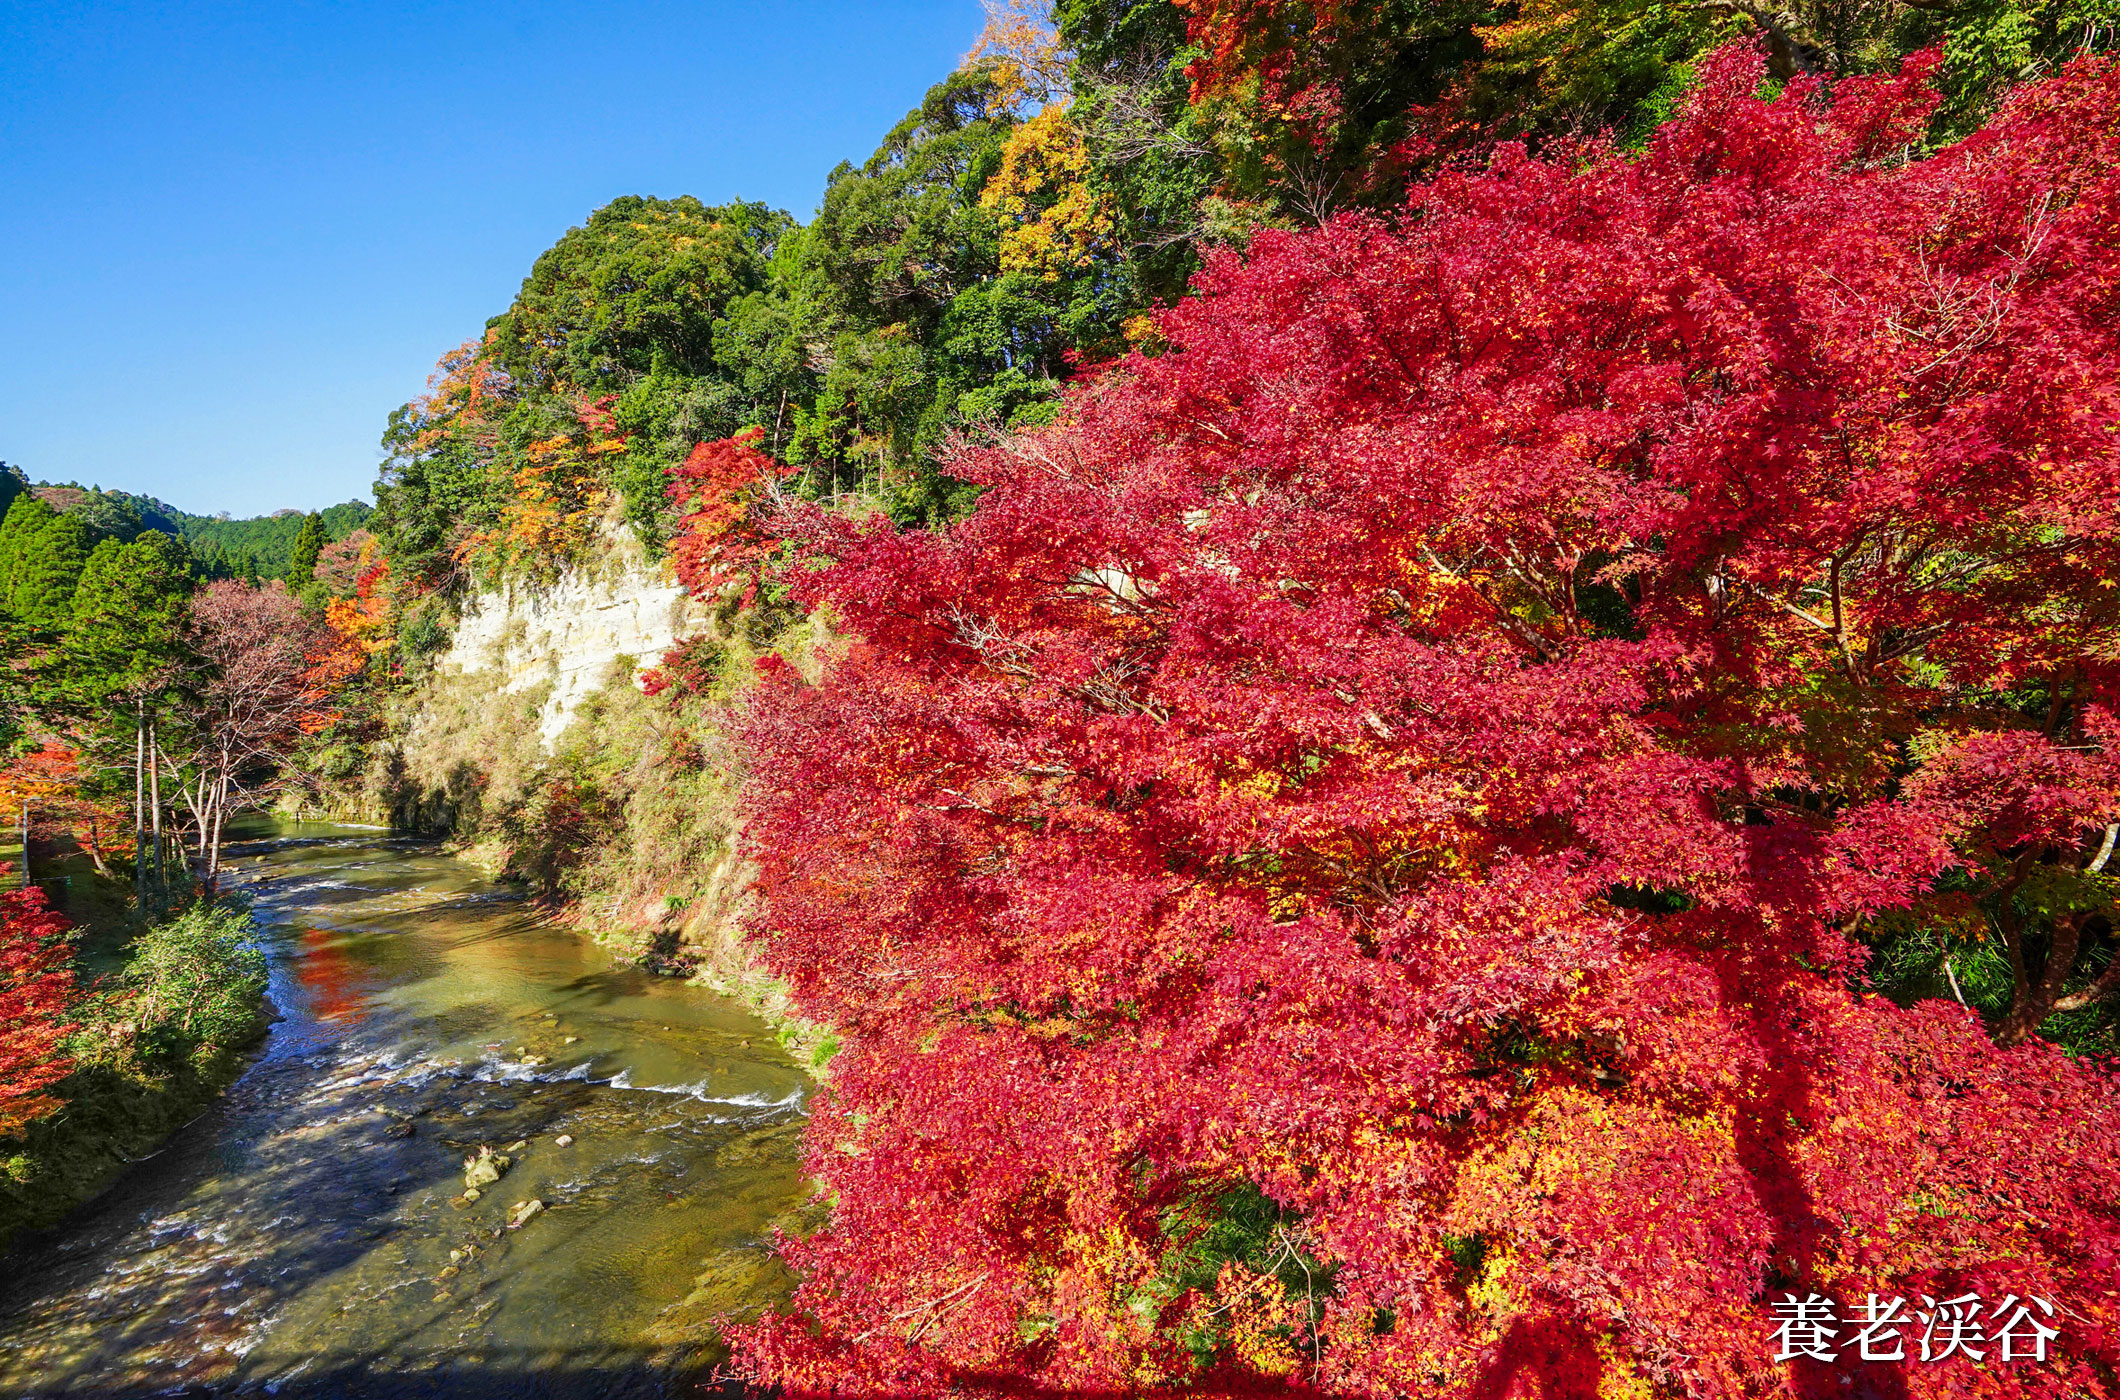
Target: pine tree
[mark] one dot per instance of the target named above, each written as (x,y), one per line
(128,612)
(14,524)
(302,564)
(13,486)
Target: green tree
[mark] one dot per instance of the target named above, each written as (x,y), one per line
(268,537)
(642,276)
(41,555)
(110,514)
(119,662)
(928,332)
(16,652)
(900,235)
(12,484)
(302,561)
(194,982)
(128,613)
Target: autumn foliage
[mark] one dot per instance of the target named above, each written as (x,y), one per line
(41,780)
(271,677)
(725,491)
(1354,867)
(357,628)
(36,989)
(46,781)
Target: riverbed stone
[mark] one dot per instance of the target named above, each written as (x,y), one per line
(485,1167)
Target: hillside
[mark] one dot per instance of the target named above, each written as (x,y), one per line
(258,546)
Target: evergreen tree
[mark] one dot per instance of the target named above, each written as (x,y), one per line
(122,657)
(15,651)
(13,484)
(41,554)
(12,527)
(110,514)
(302,566)
(128,613)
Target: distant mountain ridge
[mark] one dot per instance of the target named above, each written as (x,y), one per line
(265,543)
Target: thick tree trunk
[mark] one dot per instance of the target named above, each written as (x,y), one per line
(2032,1000)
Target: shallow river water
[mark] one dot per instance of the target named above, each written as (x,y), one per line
(300,1239)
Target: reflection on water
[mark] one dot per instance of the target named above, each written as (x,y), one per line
(310,1235)
(330,978)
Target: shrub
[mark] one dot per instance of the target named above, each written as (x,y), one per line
(194,982)
(36,998)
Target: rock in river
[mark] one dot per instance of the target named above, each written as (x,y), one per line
(484,1168)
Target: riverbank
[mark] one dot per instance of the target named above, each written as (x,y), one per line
(692,926)
(116,1114)
(127,1093)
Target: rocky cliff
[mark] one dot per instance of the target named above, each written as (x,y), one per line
(564,638)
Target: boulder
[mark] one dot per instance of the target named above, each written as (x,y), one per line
(484,1167)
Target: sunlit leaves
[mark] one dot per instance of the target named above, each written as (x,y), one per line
(36,991)
(1424,750)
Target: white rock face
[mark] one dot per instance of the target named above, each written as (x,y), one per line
(571,631)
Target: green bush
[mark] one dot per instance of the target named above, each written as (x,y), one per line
(194,982)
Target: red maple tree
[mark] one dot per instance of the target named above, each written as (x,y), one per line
(729,493)
(36,991)
(1351,868)
(46,781)
(726,489)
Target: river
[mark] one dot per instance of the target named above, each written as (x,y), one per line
(307,1236)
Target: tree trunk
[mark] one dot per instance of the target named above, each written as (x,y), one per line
(25,843)
(95,851)
(220,813)
(154,793)
(2032,1001)
(140,802)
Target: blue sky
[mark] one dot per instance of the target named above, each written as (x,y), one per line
(234,237)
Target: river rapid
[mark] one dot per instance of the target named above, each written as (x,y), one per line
(308,1237)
